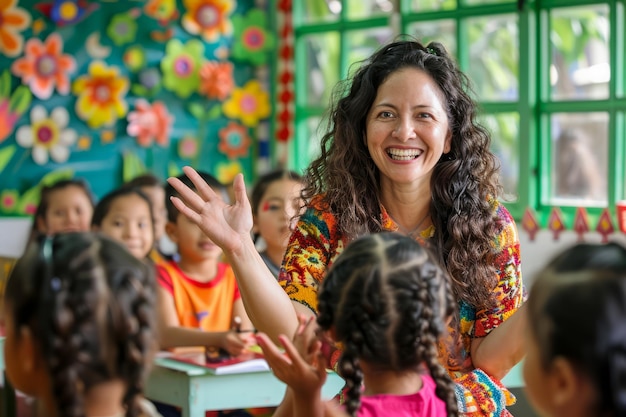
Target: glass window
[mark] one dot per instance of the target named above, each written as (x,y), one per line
(358,9)
(504,129)
(322,67)
(432,5)
(442,31)
(315,11)
(579,66)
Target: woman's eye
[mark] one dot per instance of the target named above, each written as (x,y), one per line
(386,114)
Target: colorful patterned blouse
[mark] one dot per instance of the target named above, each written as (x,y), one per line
(316,243)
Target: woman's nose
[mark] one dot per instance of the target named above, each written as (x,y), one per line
(404,129)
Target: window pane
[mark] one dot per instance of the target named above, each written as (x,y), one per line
(322,67)
(504,129)
(314,11)
(579,158)
(368,8)
(362,43)
(580,66)
(494,57)
(314,136)
(430,5)
(442,31)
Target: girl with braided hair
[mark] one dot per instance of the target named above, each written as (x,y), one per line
(80,328)
(386,301)
(576,346)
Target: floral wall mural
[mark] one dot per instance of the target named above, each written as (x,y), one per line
(105,90)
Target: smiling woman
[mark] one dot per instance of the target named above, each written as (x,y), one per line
(403,152)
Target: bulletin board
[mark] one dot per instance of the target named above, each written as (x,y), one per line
(105,90)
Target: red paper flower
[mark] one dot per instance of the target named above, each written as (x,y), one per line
(150,123)
(216,79)
(234,140)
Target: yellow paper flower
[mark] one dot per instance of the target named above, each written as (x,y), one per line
(227,171)
(208,18)
(248,104)
(101,95)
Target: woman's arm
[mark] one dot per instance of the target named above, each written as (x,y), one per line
(229,226)
(499,351)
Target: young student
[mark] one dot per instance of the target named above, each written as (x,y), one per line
(125,214)
(65,206)
(386,300)
(276,203)
(80,330)
(575,363)
(198,296)
(154,188)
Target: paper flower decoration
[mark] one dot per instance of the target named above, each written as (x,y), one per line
(226,172)
(45,66)
(47,135)
(149,83)
(67,12)
(209,18)
(134,58)
(101,95)
(12,106)
(216,79)
(13,20)
(181,66)
(188,147)
(234,140)
(123,28)
(252,41)
(9,200)
(161,10)
(150,123)
(248,104)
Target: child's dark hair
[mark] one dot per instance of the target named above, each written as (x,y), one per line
(387,300)
(577,307)
(104,205)
(147,179)
(214,183)
(90,305)
(264,181)
(44,198)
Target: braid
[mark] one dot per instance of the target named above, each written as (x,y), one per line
(387,300)
(91,304)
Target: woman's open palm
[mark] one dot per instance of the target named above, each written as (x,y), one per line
(226,225)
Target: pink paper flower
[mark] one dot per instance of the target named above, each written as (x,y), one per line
(44,65)
(150,123)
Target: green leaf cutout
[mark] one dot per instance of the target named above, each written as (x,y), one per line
(131,167)
(196,110)
(56,176)
(29,201)
(214,113)
(5,84)
(173,170)
(20,100)
(5,156)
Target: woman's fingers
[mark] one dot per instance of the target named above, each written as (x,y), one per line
(239,189)
(187,195)
(203,189)
(186,211)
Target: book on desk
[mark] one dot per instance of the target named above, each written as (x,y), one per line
(220,363)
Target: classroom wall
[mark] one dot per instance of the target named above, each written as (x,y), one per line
(107,89)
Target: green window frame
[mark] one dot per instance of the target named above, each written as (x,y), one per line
(524,118)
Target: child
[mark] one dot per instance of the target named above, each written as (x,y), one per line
(125,215)
(80,331)
(386,300)
(576,346)
(65,206)
(198,295)
(152,187)
(276,203)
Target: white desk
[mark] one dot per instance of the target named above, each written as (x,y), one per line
(196,390)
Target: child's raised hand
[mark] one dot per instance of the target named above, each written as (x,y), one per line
(291,368)
(305,339)
(226,225)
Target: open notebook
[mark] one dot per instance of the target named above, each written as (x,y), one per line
(220,364)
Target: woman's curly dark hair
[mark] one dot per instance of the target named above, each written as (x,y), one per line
(464,182)
(90,305)
(387,300)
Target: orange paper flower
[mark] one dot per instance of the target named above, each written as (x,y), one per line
(216,79)
(234,140)
(101,95)
(13,20)
(150,123)
(44,66)
(209,18)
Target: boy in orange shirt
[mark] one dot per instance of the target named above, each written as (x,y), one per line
(198,297)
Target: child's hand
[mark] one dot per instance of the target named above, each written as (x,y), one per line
(305,339)
(226,225)
(236,343)
(291,368)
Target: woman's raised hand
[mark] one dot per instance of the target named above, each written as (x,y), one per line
(226,225)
